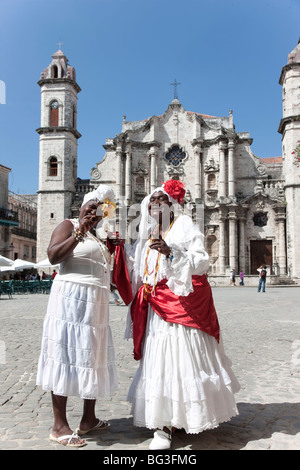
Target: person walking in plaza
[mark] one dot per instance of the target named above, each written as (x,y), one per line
(241,278)
(77,353)
(232,277)
(262,278)
(184,379)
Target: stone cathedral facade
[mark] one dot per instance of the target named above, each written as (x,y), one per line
(245,205)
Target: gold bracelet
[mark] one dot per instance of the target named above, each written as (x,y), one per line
(78,236)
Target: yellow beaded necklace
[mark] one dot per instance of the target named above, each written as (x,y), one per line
(149,290)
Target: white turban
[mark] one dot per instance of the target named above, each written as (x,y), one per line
(101,193)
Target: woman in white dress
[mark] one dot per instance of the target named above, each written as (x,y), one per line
(77,354)
(184,380)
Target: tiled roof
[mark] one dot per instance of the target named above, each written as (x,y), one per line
(271,160)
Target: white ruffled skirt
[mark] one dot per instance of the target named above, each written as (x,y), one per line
(184,379)
(77,353)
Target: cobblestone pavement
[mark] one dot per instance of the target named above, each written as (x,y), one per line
(261,333)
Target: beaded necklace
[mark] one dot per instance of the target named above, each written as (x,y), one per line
(149,290)
(104,251)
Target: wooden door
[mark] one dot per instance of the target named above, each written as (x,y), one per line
(261,253)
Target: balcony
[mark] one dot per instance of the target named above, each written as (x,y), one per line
(8,217)
(19,232)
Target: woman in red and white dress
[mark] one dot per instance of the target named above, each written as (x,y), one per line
(184,379)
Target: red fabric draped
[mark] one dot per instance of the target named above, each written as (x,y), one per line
(196,310)
(120,276)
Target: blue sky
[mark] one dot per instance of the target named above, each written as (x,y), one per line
(227,54)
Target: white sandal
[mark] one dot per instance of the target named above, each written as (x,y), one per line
(161,440)
(100,426)
(67,438)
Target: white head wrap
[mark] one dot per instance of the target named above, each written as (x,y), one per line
(101,193)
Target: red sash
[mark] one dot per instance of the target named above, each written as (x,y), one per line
(120,276)
(196,310)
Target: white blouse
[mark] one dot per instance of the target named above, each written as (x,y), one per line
(189,258)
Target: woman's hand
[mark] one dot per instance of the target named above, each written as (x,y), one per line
(88,221)
(160,245)
(114,239)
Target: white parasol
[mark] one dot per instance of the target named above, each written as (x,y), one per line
(20,264)
(5,261)
(45,263)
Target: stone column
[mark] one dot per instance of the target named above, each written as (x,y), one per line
(153,170)
(128,177)
(231,175)
(119,173)
(232,238)
(242,261)
(280,219)
(198,172)
(222,172)
(222,242)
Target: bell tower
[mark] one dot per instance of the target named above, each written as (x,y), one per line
(290,129)
(57,147)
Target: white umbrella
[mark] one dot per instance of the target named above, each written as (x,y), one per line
(20,264)
(45,263)
(6,268)
(5,261)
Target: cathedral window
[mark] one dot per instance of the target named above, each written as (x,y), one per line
(53,166)
(175,155)
(54,114)
(260,219)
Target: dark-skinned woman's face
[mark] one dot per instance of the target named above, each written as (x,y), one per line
(159,205)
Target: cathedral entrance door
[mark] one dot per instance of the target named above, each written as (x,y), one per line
(261,253)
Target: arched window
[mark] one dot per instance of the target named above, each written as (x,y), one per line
(53,166)
(54,71)
(54,114)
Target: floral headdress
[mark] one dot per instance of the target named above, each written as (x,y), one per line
(108,209)
(174,189)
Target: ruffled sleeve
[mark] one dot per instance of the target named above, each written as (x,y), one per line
(189,256)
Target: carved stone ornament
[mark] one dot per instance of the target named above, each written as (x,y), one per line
(260,205)
(174,171)
(95,174)
(139,169)
(211,166)
(261,170)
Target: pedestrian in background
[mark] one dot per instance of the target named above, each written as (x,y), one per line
(232,277)
(262,278)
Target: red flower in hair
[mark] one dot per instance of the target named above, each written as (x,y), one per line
(175,189)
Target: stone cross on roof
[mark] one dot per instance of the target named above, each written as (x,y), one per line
(175,84)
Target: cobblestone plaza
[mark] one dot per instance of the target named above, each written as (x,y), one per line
(261,333)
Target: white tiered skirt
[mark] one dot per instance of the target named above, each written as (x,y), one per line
(77,353)
(184,379)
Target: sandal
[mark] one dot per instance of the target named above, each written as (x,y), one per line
(100,426)
(67,438)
